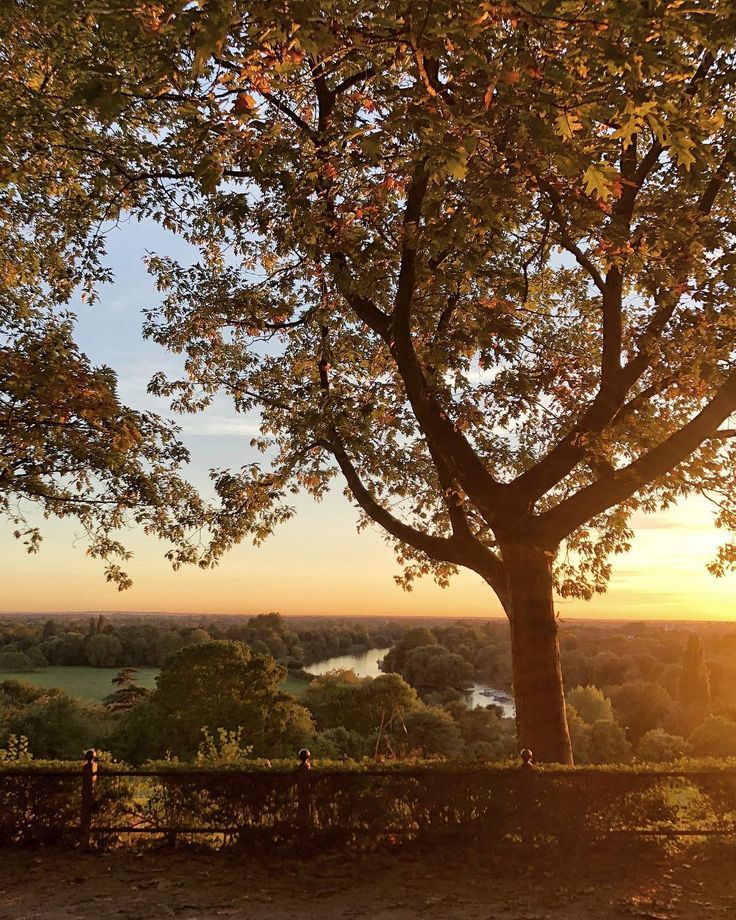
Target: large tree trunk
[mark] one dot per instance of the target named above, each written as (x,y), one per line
(540,700)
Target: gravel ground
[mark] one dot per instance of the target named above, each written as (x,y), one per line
(448,883)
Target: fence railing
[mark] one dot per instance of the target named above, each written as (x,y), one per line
(361,807)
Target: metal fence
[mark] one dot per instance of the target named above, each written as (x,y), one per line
(361,807)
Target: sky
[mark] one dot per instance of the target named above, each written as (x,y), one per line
(316,563)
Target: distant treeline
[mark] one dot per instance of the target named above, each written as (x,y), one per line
(222,700)
(28,643)
(646,692)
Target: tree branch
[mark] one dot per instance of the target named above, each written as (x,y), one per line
(607,492)
(565,240)
(356,78)
(456,550)
(617,382)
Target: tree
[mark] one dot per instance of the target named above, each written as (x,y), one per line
(342,699)
(333,699)
(432,666)
(146,732)
(429,732)
(609,668)
(221,684)
(68,446)
(58,726)
(608,743)
(640,706)
(385,701)
(36,657)
(67,649)
(494,282)
(486,736)
(579,736)
(15,660)
(659,746)
(167,643)
(128,693)
(590,704)
(716,737)
(339,742)
(418,637)
(103,651)
(694,680)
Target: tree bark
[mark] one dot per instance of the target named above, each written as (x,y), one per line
(540,700)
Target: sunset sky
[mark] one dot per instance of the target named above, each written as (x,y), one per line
(317,563)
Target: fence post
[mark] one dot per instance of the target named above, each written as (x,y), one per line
(89,775)
(526,796)
(303,792)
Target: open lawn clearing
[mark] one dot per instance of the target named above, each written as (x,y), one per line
(445,883)
(95,684)
(86,683)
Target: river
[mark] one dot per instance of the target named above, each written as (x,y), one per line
(367,665)
(364,665)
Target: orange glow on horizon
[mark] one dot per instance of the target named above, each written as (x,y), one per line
(318,565)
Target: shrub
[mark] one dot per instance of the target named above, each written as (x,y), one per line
(716,737)
(659,746)
(13,660)
(16,750)
(590,704)
(608,743)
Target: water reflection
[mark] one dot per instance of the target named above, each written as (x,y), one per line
(483,695)
(367,665)
(364,665)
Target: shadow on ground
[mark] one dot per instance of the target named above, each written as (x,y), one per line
(691,881)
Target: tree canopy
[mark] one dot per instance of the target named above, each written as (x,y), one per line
(222,685)
(68,446)
(475,258)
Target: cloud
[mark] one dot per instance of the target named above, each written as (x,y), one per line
(217,425)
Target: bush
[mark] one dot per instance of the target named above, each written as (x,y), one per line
(590,704)
(58,726)
(608,743)
(716,737)
(659,746)
(429,732)
(13,660)
(224,748)
(15,751)
(579,736)
(338,743)
(18,693)
(36,657)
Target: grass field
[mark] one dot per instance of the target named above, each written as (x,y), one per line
(96,683)
(86,683)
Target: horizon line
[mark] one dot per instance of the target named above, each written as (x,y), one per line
(358,616)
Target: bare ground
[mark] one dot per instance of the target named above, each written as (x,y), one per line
(445,883)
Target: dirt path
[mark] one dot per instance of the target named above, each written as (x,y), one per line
(446,884)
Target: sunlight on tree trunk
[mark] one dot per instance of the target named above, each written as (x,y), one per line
(537,674)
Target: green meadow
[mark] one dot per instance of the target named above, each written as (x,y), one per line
(95,684)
